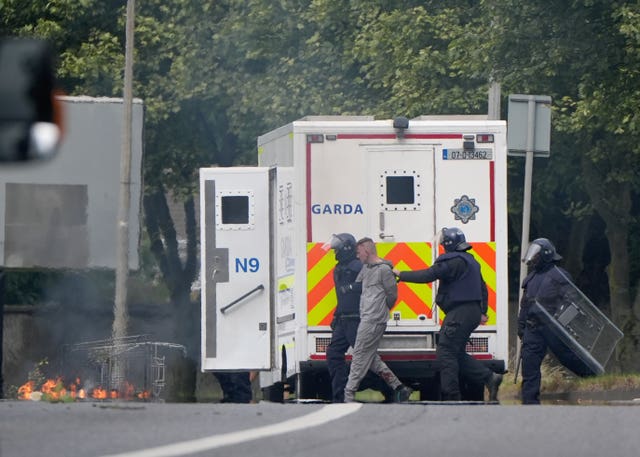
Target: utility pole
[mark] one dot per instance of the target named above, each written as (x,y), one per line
(493,111)
(120,312)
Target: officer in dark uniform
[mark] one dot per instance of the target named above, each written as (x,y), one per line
(346,318)
(547,284)
(462,296)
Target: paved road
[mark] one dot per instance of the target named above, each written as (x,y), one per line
(33,429)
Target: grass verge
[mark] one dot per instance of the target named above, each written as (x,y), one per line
(557,379)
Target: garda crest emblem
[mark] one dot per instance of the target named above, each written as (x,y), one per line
(464,209)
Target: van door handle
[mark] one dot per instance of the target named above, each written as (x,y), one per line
(220,265)
(381,221)
(239,299)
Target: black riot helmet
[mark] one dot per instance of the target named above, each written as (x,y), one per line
(541,252)
(452,239)
(344,245)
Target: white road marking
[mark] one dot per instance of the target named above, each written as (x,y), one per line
(326,414)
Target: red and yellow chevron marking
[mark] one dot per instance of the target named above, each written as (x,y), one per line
(485,254)
(321,293)
(413,299)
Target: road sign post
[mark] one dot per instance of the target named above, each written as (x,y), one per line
(528,135)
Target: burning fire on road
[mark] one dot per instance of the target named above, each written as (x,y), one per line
(130,368)
(55,390)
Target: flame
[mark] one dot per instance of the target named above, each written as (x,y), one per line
(144,395)
(55,390)
(99,393)
(25,390)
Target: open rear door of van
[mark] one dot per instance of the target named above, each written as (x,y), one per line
(235,212)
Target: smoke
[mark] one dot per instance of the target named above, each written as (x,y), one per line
(75,316)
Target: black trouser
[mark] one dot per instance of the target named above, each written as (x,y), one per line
(236,386)
(454,360)
(534,348)
(536,340)
(345,329)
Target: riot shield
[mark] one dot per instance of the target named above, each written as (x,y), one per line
(578,333)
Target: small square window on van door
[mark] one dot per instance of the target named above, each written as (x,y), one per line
(400,190)
(235,209)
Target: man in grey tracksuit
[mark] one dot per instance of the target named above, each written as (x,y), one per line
(379,294)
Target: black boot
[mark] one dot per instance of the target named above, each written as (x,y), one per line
(403,393)
(493,384)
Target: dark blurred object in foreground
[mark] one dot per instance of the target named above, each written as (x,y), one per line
(29,120)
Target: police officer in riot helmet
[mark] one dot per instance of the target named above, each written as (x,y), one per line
(547,284)
(453,240)
(541,254)
(462,295)
(344,247)
(346,317)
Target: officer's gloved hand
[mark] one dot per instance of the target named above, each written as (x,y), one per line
(334,322)
(353,288)
(346,289)
(521,326)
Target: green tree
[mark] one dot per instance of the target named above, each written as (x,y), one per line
(584,54)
